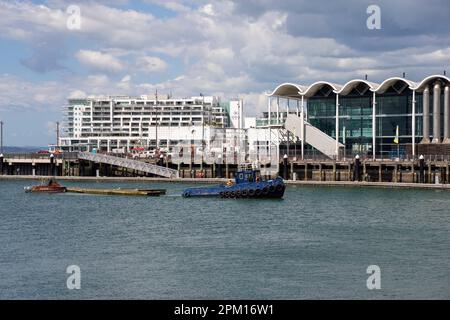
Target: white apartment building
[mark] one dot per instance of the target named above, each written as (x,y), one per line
(198,129)
(119,122)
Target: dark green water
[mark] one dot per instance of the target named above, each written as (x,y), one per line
(316,243)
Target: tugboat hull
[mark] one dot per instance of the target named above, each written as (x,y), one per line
(264,189)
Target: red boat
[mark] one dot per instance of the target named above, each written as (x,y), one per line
(50,186)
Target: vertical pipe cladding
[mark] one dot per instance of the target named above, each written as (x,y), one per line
(437,113)
(447,114)
(426,115)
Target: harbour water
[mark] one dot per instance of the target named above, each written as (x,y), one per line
(315,243)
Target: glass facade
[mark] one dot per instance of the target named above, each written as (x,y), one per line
(393,112)
(355,120)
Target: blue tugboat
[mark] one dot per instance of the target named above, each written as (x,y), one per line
(247,184)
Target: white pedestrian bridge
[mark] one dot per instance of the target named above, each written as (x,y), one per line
(129,164)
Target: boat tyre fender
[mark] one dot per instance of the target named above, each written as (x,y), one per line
(222,194)
(186,194)
(271,188)
(258,192)
(251,192)
(227,194)
(244,193)
(232,194)
(279,187)
(265,190)
(238,193)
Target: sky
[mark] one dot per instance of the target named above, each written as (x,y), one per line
(218,47)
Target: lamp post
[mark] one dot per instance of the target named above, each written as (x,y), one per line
(52,164)
(192,151)
(421,169)
(1,163)
(219,166)
(156,126)
(1,136)
(57,135)
(356,173)
(285,167)
(203,130)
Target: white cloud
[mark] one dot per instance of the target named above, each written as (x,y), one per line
(151,64)
(99,61)
(77,94)
(177,6)
(18,94)
(208,10)
(125,83)
(127,78)
(225,47)
(50,129)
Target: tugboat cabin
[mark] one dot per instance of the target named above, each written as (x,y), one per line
(247,174)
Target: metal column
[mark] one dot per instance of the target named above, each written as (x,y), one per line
(446,114)
(268,125)
(437,113)
(337,126)
(303,129)
(287,131)
(426,115)
(413,124)
(374,131)
(278,110)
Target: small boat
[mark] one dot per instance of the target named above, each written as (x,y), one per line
(49,186)
(248,184)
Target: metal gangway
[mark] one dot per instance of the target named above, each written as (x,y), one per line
(129,164)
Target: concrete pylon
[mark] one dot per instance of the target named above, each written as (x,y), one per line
(436,113)
(446,114)
(426,115)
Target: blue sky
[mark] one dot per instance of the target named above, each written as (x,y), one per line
(219,47)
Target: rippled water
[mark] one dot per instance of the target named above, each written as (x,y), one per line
(316,243)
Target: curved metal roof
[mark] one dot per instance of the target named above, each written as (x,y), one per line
(292,90)
(287,90)
(390,81)
(420,86)
(316,86)
(350,85)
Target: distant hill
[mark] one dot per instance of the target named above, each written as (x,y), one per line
(12,149)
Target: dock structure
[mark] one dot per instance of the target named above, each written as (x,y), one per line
(129,164)
(370,171)
(428,170)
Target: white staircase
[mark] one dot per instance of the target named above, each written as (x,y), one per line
(130,164)
(313,136)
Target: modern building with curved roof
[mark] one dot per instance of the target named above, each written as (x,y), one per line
(396,116)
